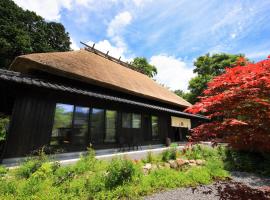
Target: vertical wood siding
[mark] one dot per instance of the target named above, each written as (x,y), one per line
(31,125)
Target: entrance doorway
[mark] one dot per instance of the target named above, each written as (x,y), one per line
(179,134)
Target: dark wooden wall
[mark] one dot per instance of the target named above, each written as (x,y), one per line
(31,125)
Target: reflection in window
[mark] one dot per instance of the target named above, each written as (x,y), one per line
(136,120)
(126,120)
(154,122)
(111,117)
(80,129)
(61,133)
(97,125)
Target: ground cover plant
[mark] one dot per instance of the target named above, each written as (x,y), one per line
(120,178)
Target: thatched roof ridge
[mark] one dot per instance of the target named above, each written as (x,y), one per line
(94,69)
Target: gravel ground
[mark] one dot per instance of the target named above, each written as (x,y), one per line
(242,186)
(251,180)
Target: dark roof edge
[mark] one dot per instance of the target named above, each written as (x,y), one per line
(31,80)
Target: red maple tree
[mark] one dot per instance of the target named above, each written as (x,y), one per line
(238,106)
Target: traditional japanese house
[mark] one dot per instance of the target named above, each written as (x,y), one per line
(67,100)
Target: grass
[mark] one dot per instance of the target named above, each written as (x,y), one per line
(118,179)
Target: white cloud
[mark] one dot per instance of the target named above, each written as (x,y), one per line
(114,51)
(115,44)
(84,2)
(74,45)
(119,22)
(258,54)
(140,2)
(172,72)
(116,27)
(233,35)
(49,9)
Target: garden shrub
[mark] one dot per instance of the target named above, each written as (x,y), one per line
(95,184)
(35,188)
(86,162)
(201,152)
(149,157)
(173,151)
(3,170)
(169,154)
(248,161)
(62,174)
(28,168)
(31,164)
(163,178)
(240,161)
(120,171)
(76,188)
(7,187)
(44,171)
(199,175)
(216,168)
(165,155)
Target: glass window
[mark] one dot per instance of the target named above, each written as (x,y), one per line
(97,125)
(80,129)
(136,120)
(126,120)
(61,133)
(154,122)
(111,120)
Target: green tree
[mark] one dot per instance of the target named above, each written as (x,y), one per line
(142,65)
(24,32)
(183,94)
(207,67)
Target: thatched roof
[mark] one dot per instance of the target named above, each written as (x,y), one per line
(89,67)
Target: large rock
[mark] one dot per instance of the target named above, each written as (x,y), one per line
(200,162)
(173,164)
(192,164)
(147,166)
(154,167)
(180,162)
(161,166)
(167,165)
(192,161)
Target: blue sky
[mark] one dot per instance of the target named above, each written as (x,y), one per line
(169,33)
